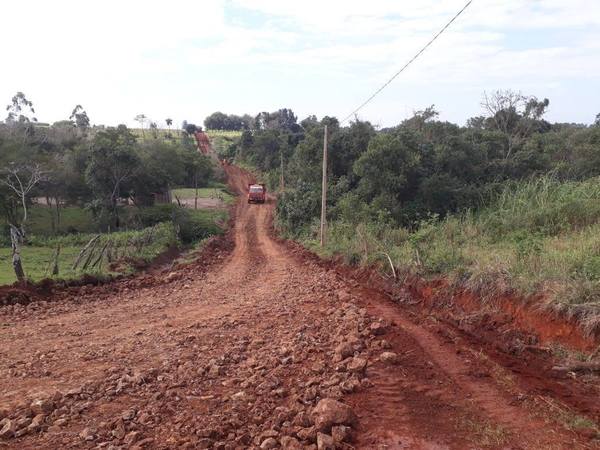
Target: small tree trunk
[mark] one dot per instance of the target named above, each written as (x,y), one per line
(52,217)
(24,203)
(57,213)
(109,253)
(89,256)
(98,260)
(15,239)
(55,262)
(196,193)
(84,249)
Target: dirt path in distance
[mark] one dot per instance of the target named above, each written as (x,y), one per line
(236,351)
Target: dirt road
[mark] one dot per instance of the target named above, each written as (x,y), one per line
(239,349)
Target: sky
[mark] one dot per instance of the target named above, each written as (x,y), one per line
(186,59)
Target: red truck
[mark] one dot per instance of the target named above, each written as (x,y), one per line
(257,193)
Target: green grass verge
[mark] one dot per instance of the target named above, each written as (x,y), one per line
(73,219)
(166,226)
(539,236)
(223,133)
(162,133)
(36,262)
(142,245)
(175,131)
(218,192)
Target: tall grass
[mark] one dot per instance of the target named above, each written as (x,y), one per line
(544,205)
(538,236)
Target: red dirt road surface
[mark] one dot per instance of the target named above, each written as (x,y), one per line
(259,345)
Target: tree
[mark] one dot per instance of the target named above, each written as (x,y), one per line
(141,119)
(19,109)
(388,170)
(310,122)
(80,117)
(597,121)
(21,180)
(190,128)
(221,121)
(283,119)
(420,118)
(347,145)
(248,122)
(112,162)
(169,122)
(216,121)
(513,114)
(154,129)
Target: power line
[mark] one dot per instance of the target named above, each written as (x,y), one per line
(407,64)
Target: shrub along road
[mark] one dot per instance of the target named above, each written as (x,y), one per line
(258,345)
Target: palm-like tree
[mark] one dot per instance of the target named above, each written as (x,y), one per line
(141,119)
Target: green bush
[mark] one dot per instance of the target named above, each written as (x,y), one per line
(151,215)
(296,208)
(538,235)
(194,225)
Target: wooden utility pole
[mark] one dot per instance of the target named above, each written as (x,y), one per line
(324,191)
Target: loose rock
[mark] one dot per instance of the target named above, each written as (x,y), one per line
(325,442)
(357,365)
(389,358)
(340,433)
(290,443)
(87,434)
(330,412)
(42,407)
(8,428)
(269,443)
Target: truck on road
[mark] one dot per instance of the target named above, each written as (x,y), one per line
(257,193)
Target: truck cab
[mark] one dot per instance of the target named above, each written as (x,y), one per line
(257,193)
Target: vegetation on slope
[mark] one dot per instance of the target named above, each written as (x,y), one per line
(61,182)
(538,236)
(507,202)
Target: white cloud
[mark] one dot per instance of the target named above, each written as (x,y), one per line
(186,58)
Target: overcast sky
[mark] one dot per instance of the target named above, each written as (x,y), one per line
(186,59)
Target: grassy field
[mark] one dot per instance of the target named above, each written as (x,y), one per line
(539,236)
(37,262)
(73,219)
(38,257)
(159,133)
(218,191)
(175,131)
(223,133)
(165,226)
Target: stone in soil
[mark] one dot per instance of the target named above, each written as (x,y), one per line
(340,433)
(357,365)
(87,434)
(42,407)
(36,423)
(389,358)
(325,442)
(269,443)
(378,328)
(290,443)
(7,428)
(330,412)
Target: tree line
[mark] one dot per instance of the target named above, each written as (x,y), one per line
(72,162)
(422,167)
